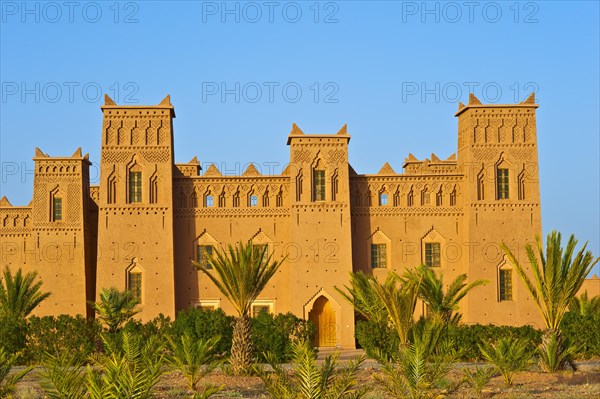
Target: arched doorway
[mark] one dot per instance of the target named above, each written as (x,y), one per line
(323,315)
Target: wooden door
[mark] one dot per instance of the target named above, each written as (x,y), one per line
(323,315)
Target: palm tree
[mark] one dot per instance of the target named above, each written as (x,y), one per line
(241,273)
(115,308)
(20,294)
(195,359)
(308,380)
(558,275)
(420,368)
(362,295)
(507,356)
(442,305)
(399,298)
(8,382)
(585,306)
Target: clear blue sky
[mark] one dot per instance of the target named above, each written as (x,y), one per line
(393,71)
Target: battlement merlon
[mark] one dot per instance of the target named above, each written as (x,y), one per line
(77,156)
(298,133)
(109,104)
(474,103)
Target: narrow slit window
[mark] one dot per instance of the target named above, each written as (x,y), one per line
(135,186)
(57,212)
(319,185)
(505,284)
(135,284)
(502,183)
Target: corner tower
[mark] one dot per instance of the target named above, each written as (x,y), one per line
(135,208)
(498,154)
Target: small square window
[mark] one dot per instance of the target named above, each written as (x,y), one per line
(383,199)
(254,200)
(210,201)
(258,309)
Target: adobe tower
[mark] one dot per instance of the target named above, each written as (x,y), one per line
(135,205)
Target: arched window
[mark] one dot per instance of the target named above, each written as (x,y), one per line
(522,185)
(502,183)
(279,198)
(480,187)
(439,197)
(134,280)
(112,189)
(505,283)
(154,189)
(236,199)
(222,200)
(334,185)
(425,197)
(453,197)
(410,198)
(265,198)
(135,183)
(397,197)
(318,184)
(56,206)
(299,186)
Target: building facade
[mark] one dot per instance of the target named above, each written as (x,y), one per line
(149,217)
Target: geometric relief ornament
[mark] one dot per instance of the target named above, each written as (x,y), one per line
(302,156)
(116,156)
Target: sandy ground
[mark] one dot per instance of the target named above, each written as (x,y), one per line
(585,383)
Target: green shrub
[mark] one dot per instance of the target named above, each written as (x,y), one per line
(62,334)
(468,337)
(205,324)
(583,331)
(161,326)
(276,335)
(12,335)
(374,338)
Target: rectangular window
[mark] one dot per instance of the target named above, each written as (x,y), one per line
(254,200)
(378,256)
(205,252)
(505,284)
(259,248)
(209,201)
(258,309)
(319,185)
(135,285)
(502,183)
(383,199)
(432,254)
(135,187)
(56,209)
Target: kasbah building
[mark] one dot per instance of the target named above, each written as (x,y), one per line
(149,217)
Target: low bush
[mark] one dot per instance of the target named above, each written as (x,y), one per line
(583,331)
(12,335)
(276,334)
(61,334)
(372,337)
(468,337)
(203,325)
